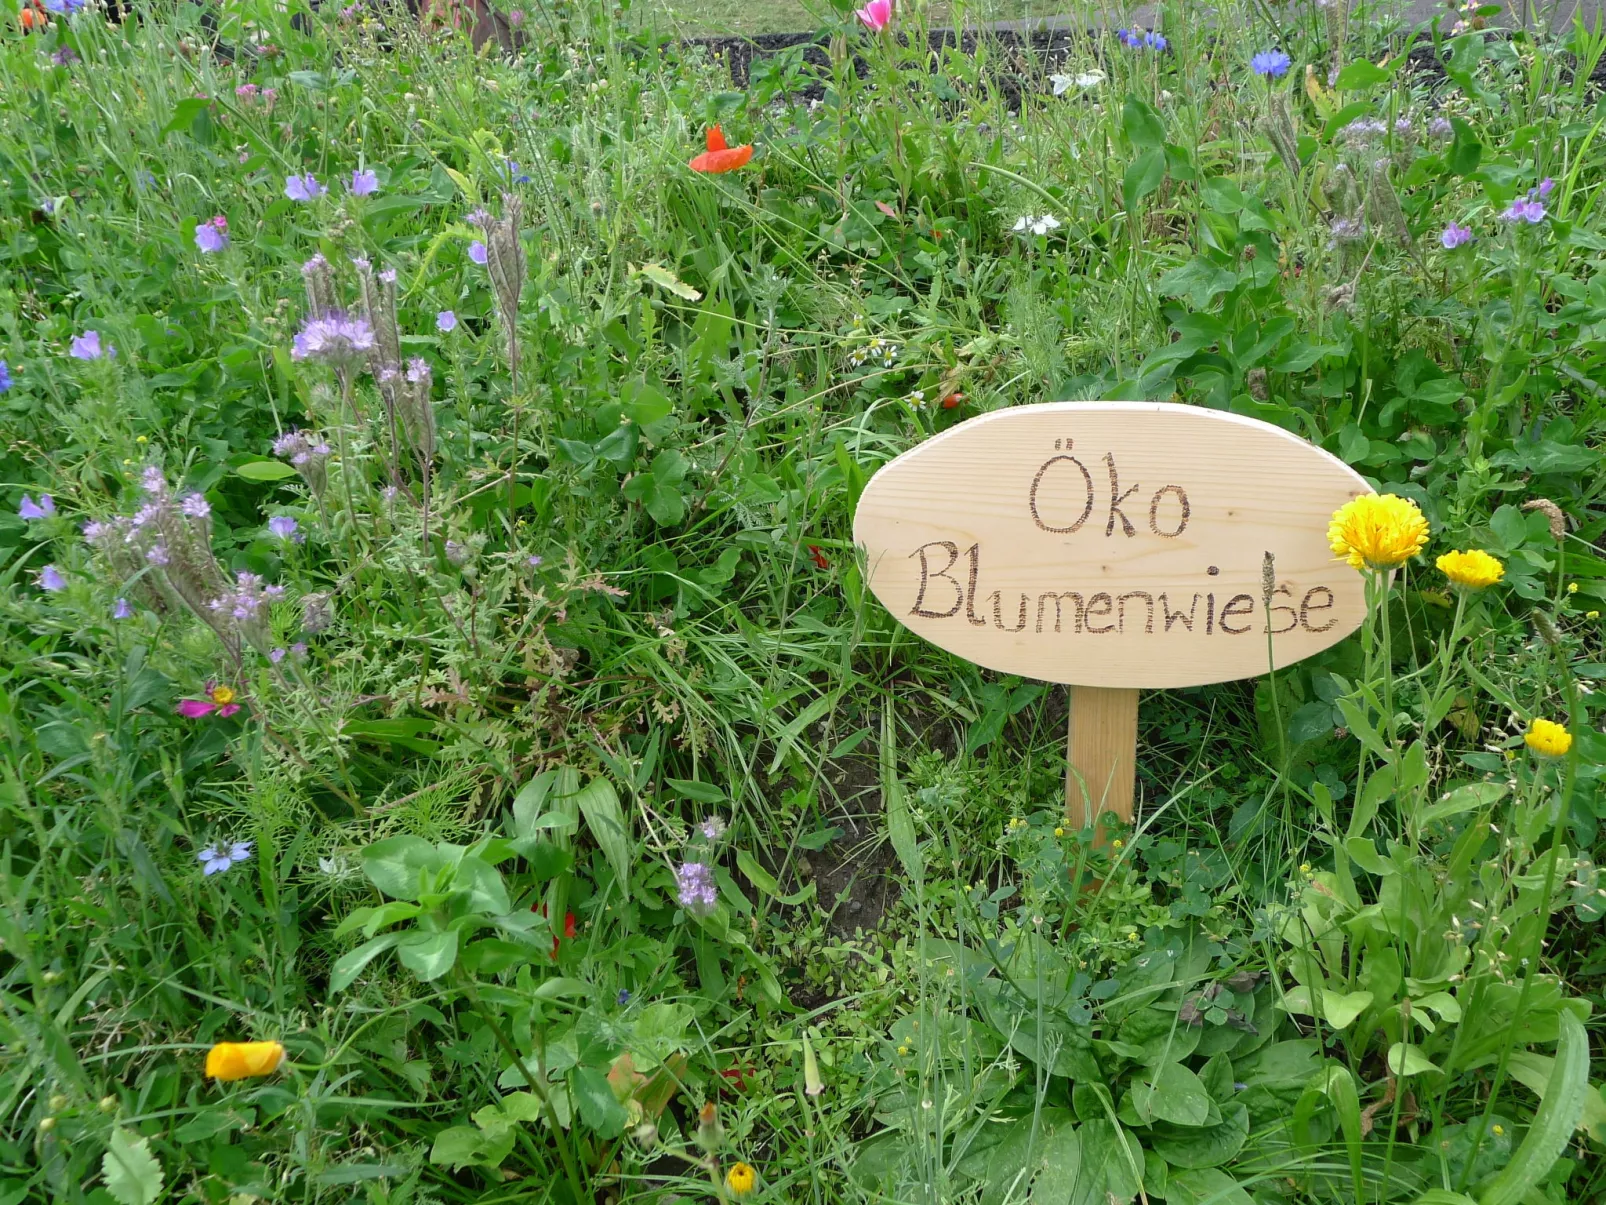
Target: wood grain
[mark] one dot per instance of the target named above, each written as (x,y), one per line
(1114,544)
(1102,741)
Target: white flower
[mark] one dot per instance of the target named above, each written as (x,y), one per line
(1022,224)
(1045,223)
(1084,79)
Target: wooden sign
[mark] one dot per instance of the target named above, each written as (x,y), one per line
(1113,546)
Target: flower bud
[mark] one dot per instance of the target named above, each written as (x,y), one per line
(107,1104)
(58,1102)
(46,1124)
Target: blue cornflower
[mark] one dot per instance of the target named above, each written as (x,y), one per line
(1156,41)
(64,7)
(1130,38)
(623,997)
(1273,64)
(5,377)
(512,174)
(218,857)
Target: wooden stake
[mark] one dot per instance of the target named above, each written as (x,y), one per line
(1101,750)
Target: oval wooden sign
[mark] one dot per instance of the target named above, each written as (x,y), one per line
(1114,544)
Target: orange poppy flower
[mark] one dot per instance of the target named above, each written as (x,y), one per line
(719,157)
(32,16)
(242,1060)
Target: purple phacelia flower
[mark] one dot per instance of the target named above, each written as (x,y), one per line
(1455,236)
(478,253)
(445,322)
(50,579)
(196,506)
(335,338)
(694,882)
(282,527)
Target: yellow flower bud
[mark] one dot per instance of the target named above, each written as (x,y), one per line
(243,1060)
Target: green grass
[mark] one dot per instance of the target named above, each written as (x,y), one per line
(719,17)
(604,831)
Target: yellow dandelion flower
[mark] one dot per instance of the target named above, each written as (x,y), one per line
(1377,530)
(741,1179)
(1473,569)
(1548,739)
(243,1060)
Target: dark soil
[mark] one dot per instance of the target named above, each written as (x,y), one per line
(1017,56)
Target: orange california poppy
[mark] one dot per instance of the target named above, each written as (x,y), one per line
(719,157)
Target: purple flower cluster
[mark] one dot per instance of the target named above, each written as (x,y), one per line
(1530,209)
(1363,132)
(336,339)
(304,188)
(1133,40)
(245,602)
(694,882)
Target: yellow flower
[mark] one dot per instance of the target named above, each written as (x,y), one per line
(740,1179)
(1118,843)
(1473,569)
(1572,587)
(221,695)
(1380,530)
(1548,739)
(242,1060)
(1497,1130)
(1591,614)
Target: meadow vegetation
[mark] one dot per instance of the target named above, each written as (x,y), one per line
(450,753)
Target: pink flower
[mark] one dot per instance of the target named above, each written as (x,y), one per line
(219,699)
(875,15)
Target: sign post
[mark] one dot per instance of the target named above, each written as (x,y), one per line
(1113,546)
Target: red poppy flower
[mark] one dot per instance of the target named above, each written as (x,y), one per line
(719,157)
(568,927)
(952,400)
(819,557)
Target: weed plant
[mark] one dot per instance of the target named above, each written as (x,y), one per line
(450,753)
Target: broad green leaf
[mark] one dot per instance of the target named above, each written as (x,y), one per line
(458,1147)
(264,470)
(1173,1094)
(596,1103)
(1553,1124)
(1199,282)
(1471,797)
(1465,152)
(665,279)
(1142,124)
(349,965)
(132,1174)
(428,955)
(599,804)
(1204,1186)
(698,792)
(486,892)
(388,914)
(1443,1003)
(1361,74)
(1379,787)
(393,865)
(555,989)
(1142,177)
(1443,1196)
(1204,1146)
(1341,1008)
(1405,1058)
